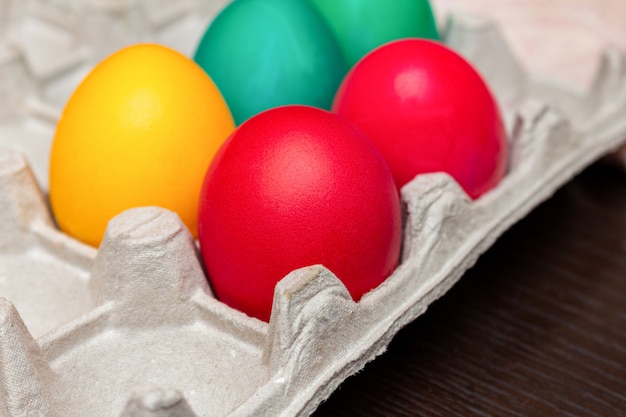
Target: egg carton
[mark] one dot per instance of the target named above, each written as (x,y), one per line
(132,329)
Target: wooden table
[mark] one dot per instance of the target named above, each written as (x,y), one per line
(536,328)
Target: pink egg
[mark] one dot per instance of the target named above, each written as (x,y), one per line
(427,110)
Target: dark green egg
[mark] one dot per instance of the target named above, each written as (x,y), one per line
(362,25)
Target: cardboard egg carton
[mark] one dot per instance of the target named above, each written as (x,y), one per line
(133,330)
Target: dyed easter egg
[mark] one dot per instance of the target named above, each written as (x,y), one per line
(427,110)
(266,53)
(362,25)
(296,186)
(140,130)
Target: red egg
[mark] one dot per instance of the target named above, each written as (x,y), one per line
(296,186)
(427,110)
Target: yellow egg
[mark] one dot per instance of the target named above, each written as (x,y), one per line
(140,130)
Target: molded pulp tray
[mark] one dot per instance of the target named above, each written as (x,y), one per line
(132,329)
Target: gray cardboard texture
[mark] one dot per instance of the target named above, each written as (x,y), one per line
(133,329)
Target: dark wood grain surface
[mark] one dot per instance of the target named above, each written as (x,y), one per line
(536,328)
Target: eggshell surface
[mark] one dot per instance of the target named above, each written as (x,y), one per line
(267,53)
(140,130)
(362,25)
(296,186)
(427,110)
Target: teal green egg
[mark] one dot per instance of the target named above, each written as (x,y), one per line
(267,53)
(362,25)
